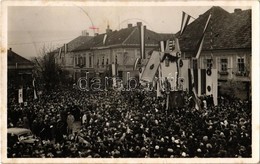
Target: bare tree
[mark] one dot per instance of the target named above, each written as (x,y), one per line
(47,70)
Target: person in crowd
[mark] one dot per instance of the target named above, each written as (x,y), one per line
(126,124)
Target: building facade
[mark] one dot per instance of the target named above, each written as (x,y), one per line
(226,47)
(121,48)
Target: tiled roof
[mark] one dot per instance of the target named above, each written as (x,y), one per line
(124,37)
(229,30)
(92,42)
(14,58)
(80,40)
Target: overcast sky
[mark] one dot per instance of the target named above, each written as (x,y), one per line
(31,27)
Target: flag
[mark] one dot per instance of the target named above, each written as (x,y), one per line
(163,45)
(60,52)
(200,43)
(104,39)
(192,89)
(184,22)
(151,67)
(65,48)
(142,30)
(158,88)
(114,74)
(34,90)
(137,62)
(205,82)
(20,95)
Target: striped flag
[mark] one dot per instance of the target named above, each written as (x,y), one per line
(142,30)
(114,74)
(163,45)
(192,88)
(137,62)
(60,52)
(184,22)
(104,39)
(204,82)
(200,43)
(158,88)
(34,90)
(65,48)
(20,95)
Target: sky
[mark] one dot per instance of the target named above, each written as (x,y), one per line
(31,27)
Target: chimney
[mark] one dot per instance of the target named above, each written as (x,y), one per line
(139,23)
(237,10)
(108,30)
(129,25)
(96,34)
(85,33)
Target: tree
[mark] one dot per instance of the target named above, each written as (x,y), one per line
(47,71)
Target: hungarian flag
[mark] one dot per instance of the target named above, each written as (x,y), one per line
(151,68)
(34,90)
(104,39)
(184,22)
(137,62)
(65,48)
(20,95)
(60,53)
(204,82)
(114,74)
(142,30)
(200,43)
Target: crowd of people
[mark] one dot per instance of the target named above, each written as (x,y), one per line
(114,124)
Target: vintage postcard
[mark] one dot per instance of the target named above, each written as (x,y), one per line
(129,82)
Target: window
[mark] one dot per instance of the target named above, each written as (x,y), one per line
(209,63)
(103,61)
(107,61)
(84,60)
(76,60)
(223,65)
(90,60)
(241,64)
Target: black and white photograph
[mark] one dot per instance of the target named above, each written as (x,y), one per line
(148,82)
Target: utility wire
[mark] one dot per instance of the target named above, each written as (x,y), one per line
(39,42)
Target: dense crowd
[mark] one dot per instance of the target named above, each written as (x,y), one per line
(129,124)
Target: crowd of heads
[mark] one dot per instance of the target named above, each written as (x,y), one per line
(112,124)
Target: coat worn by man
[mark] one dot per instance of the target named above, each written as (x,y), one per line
(70,121)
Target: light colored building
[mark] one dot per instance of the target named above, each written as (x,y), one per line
(226,46)
(114,47)
(65,57)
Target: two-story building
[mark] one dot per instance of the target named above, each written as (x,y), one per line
(115,47)
(64,56)
(226,46)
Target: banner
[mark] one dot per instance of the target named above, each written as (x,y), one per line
(151,67)
(176,99)
(34,90)
(20,96)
